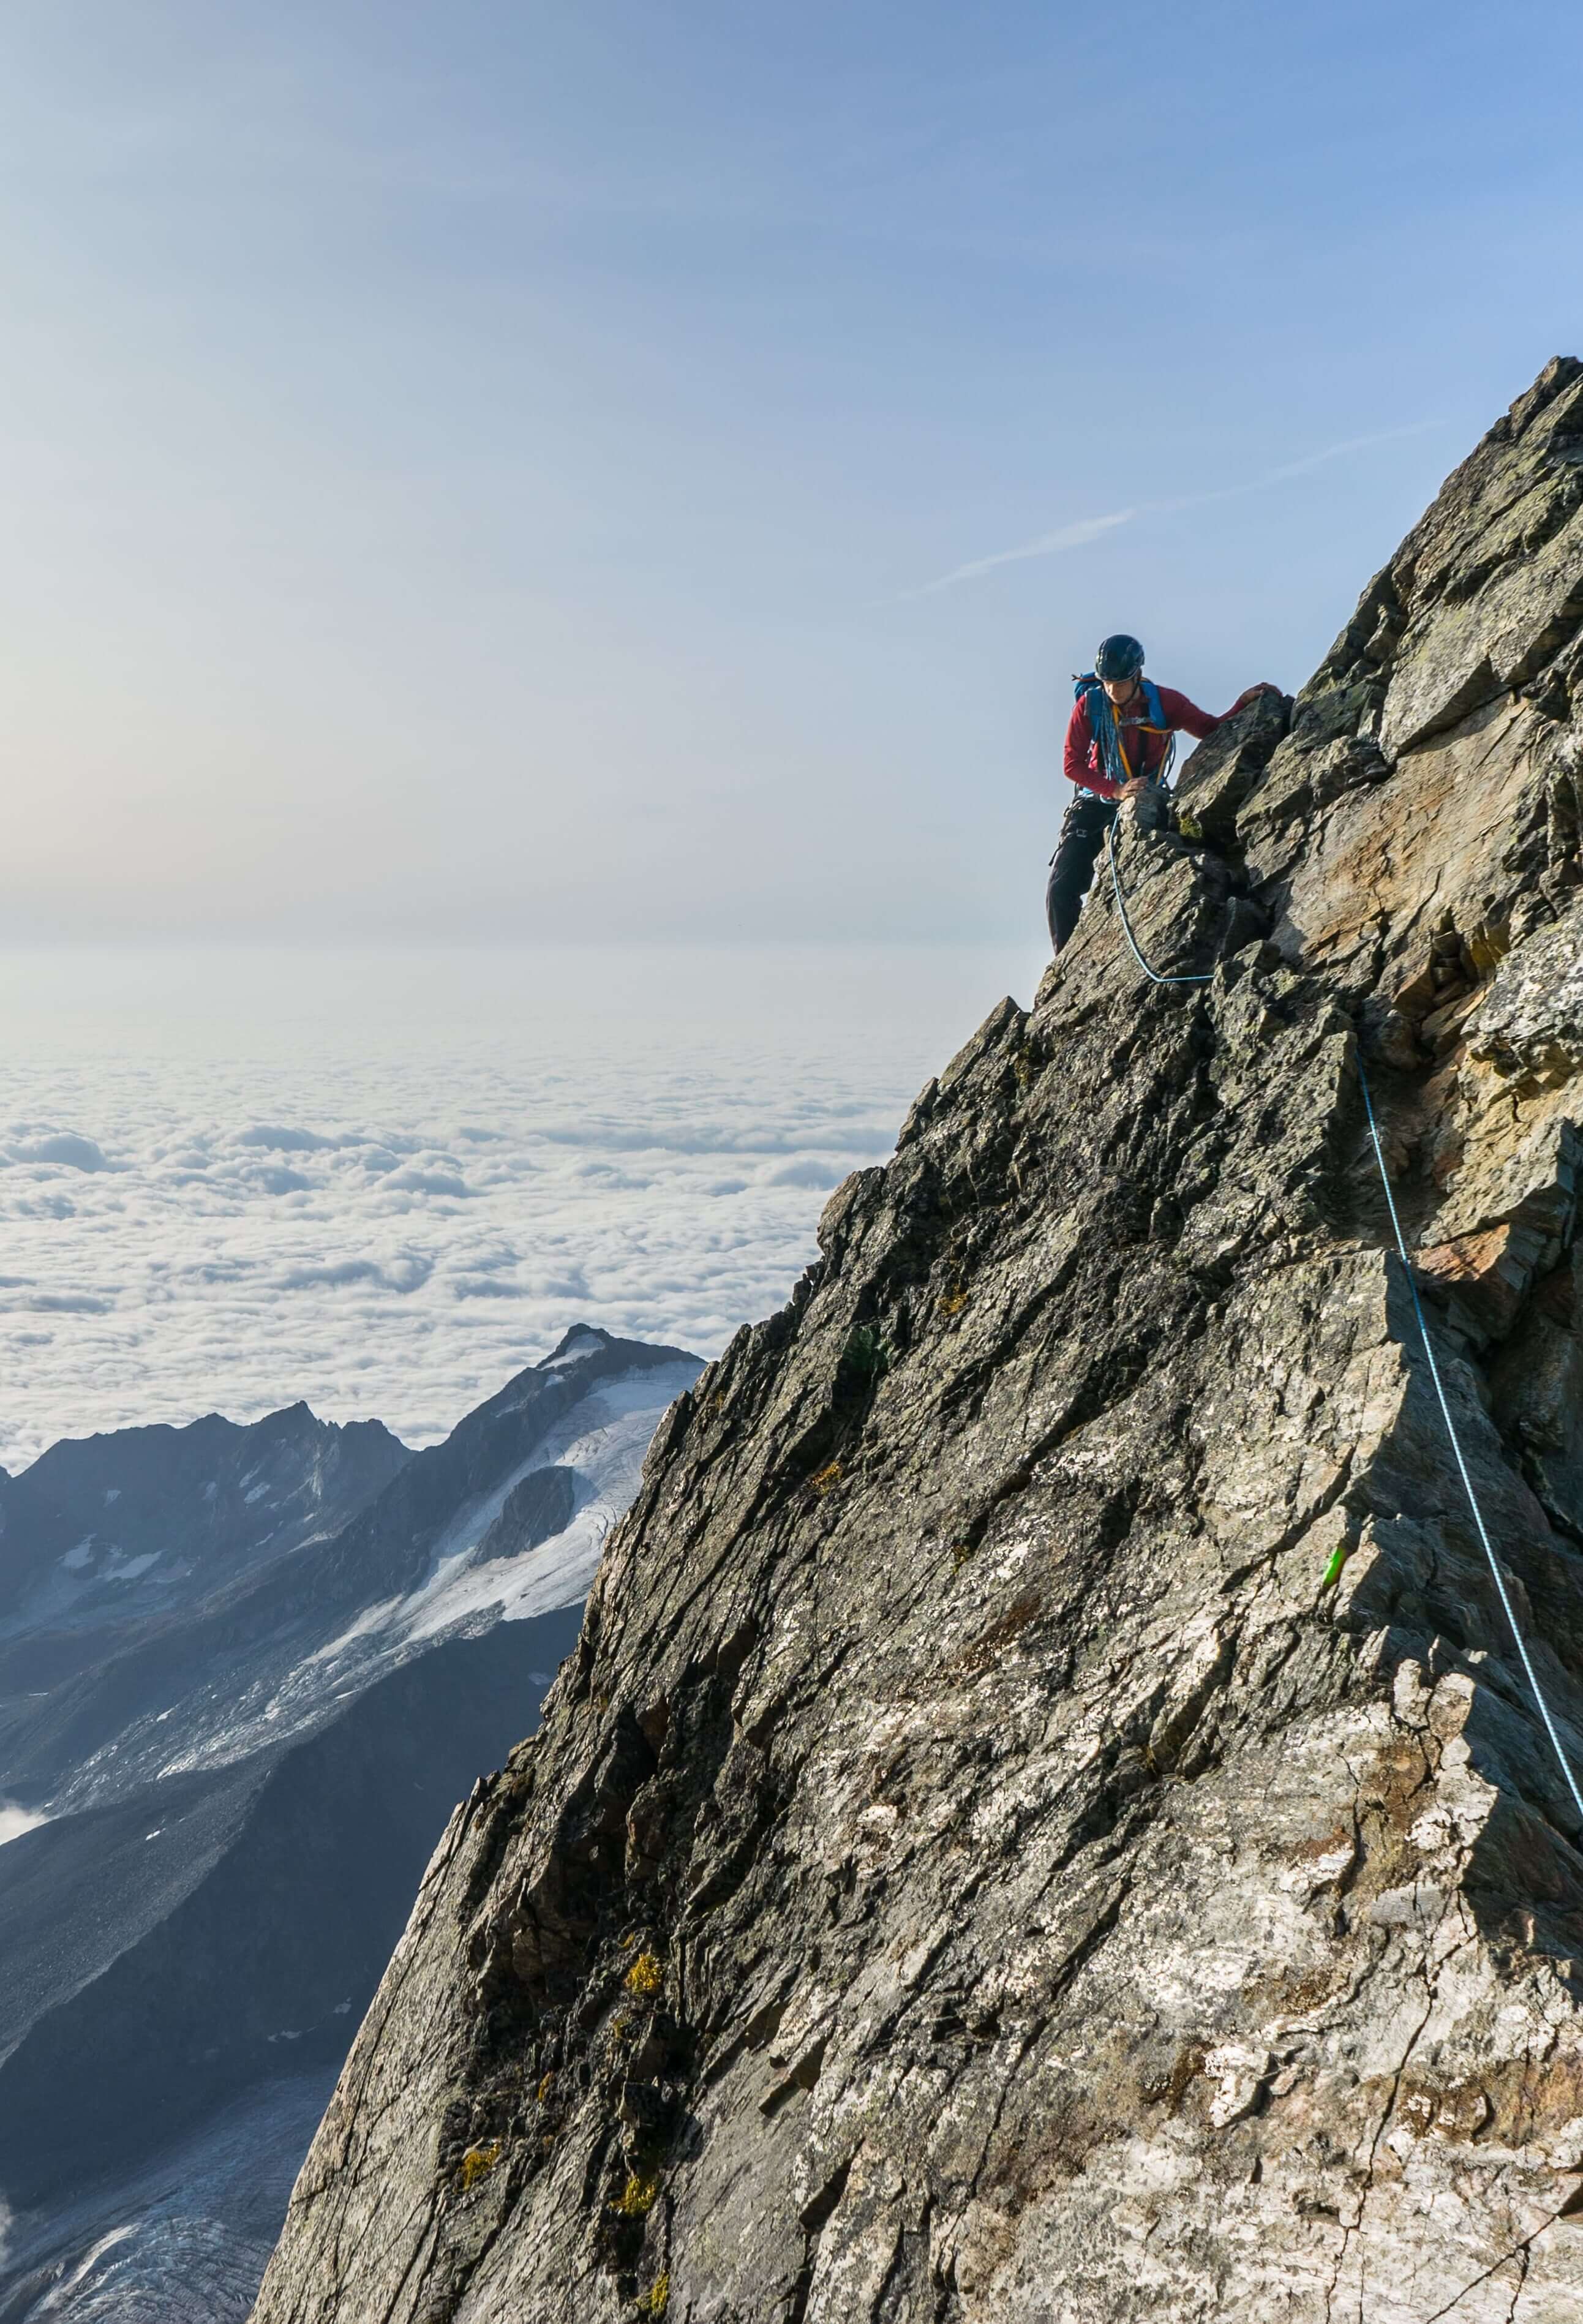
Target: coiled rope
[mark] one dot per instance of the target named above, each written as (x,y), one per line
(1541,1704)
(1126,924)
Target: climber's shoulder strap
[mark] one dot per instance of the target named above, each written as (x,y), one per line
(1102,726)
(1087,690)
(1161,725)
(1154,721)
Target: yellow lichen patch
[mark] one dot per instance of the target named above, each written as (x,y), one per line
(657,2298)
(637,2197)
(545,2088)
(954,1300)
(961,1551)
(479,2162)
(645,1976)
(826,1480)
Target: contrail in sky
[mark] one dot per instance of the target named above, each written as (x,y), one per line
(1090,528)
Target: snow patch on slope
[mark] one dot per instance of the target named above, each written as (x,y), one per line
(15,1820)
(601,1439)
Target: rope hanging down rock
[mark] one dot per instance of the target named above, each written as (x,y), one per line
(1434,1373)
(1126,924)
(1531,1676)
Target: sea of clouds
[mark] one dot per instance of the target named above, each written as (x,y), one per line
(384,1182)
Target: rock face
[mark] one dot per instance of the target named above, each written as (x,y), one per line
(980,1863)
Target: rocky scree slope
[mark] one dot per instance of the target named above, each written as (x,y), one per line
(973,1867)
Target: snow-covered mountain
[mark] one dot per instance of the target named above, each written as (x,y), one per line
(244,1674)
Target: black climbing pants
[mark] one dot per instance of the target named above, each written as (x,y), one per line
(1072,867)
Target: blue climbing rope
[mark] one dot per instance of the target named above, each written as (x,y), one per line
(1434,1373)
(1542,1707)
(1126,924)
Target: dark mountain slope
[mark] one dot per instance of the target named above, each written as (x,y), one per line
(245,1643)
(201,1500)
(290,1911)
(105,1538)
(241,1786)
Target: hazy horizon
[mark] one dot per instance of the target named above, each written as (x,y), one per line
(383,1182)
(534,470)
(505,487)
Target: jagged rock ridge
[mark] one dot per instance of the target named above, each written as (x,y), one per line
(972,1867)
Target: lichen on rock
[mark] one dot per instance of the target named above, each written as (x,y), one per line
(1062,1903)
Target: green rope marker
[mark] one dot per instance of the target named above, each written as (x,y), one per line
(1333,1570)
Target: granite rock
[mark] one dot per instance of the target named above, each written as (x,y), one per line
(1224,771)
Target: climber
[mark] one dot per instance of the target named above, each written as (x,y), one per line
(1118,745)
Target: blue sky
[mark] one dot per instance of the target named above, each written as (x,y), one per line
(482,471)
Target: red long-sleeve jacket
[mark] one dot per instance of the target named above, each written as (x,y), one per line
(1082,755)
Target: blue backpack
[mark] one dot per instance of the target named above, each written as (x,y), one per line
(1102,726)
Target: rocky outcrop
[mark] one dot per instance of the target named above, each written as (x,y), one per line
(1044,1819)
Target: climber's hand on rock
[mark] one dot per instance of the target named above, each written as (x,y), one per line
(1135,787)
(1247,693)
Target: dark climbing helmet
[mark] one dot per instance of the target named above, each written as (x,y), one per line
(1118,657)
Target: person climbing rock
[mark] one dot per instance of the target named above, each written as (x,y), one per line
(1120,743)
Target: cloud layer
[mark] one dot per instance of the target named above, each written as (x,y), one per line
(391,1228)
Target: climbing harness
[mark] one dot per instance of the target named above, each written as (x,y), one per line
(1333,1570)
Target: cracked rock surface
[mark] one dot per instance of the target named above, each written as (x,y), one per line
(1045,1822)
